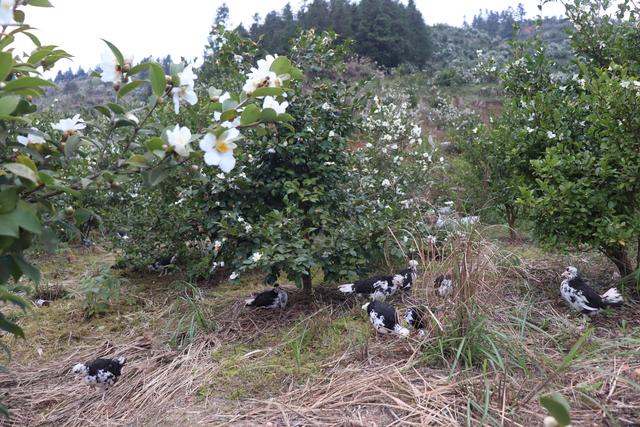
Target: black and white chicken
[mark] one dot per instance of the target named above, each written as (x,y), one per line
(163,265)
(444,285)
(581,297)
(275,298)
(380,287)
(384,318)
(100,372)
(122,235)
(376,288)
(409,275)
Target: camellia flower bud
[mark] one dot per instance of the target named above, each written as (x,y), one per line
(116,86)
(165,147)
(195,168)
(69,210)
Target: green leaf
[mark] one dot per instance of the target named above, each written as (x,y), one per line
(138,161)
(23,216)
(104,110)
(284,117)
(35,40)
(27,269)
(27,83)
(138,68)
(228,115)
(267,91)
(6,41)
(157,175)
(25,160)
(39,3)
(251,114)
(296,74)
(22,171)
(8,269)
(6,62)
(129,87)
(10,327)
(116,52)
(116,108)
(558,407)
(229,104)
(155,143)
(18,15)
(14,119)
(8,104)
(156,76)
(71,145)
(281,65)
(268,115)
(39,54)
(8,200)
(124,123)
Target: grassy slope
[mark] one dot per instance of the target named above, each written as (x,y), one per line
(200,357)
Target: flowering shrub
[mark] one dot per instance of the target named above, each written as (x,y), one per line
(41,161)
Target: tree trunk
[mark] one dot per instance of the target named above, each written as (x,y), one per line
(618,255)
(306,284)
(511,213)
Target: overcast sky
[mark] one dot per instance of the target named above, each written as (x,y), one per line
(180,28)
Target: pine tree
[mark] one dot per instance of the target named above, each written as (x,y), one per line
(222,15)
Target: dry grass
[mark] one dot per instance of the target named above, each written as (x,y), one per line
(501,341)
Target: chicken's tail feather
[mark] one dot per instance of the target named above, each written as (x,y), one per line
(346,288)
(612,297)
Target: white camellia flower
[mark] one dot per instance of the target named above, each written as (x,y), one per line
(30,139)
(270,102)
(6,12)
(185,90)
(224,97)
(111,71)
(179,139)
(219,150)
(386,183)
(262,76)
(550,135)
(257,256)
(70,126)
(234,276)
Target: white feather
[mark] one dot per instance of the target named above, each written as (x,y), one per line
(401,330)
(612,296)
(80,368)
(347,289)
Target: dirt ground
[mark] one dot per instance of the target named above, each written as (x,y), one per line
(197,356)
